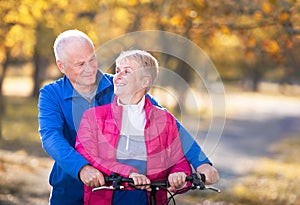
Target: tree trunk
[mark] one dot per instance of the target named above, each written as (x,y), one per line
(2,77)
(40,65)
(255,80)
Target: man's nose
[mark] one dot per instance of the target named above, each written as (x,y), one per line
(88,67)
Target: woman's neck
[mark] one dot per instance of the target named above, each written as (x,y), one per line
(131,100)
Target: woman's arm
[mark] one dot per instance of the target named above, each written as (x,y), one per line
(88,145)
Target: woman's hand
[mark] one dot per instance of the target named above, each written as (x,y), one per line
(140,179)
(176,180)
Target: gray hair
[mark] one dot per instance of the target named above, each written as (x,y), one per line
(144,59)
(65,36)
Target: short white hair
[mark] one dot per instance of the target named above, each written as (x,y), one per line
(144,60)
(63,37)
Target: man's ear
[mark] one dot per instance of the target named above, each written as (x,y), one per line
(60,66)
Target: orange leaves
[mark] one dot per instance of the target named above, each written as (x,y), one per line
(289,44)
(251,43)
(250,55)
(270,46)
(283,17)
(257,15)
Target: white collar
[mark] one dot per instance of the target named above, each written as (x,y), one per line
(136,107)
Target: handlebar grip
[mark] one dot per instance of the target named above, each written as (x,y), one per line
(117,178)
(197,176)
(203,177)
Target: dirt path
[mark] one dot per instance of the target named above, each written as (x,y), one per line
(251,130)
(23,178)
(253,125)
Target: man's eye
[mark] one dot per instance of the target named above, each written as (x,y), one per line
(79,65)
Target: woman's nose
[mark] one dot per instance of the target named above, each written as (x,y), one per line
(120,74)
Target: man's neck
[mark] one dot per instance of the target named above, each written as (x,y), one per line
(85,89)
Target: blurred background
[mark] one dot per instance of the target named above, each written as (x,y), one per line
(254,45)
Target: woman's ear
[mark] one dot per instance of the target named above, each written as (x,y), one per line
(146,82)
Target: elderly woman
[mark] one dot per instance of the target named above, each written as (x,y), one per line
(132,137)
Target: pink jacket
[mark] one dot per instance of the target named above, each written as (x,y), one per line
(97,140)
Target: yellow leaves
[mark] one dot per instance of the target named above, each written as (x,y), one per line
(270,46)
(225,30)
(277,169)
(201,3)
(240,190)
(121,15)
(20,40)
(132,2)
(270,180)
(266,7)
(177,20)
(20,14)
(15,34)
(39,7)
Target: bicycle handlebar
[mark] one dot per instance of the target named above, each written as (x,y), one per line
(196,179)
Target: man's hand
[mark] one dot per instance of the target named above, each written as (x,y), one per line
(211,174)
(140,179)
(91,176)
(176,180)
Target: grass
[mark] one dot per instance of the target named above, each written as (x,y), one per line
(24,166)
(20,126)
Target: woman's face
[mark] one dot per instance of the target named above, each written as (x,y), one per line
(128,82)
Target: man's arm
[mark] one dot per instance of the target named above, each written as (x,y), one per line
(51,128)
(193,152)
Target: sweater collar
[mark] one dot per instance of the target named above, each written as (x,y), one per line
(69,92)
(135,108)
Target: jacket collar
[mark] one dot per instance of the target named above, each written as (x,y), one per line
(69,91)
(117,110)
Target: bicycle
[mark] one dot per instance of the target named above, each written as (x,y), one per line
(118,183)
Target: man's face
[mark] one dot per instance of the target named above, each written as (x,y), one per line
(128,81)
(79,64)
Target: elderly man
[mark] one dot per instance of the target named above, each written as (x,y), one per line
(61,106)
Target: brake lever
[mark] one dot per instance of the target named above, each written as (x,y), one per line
(107,187)
(213,189)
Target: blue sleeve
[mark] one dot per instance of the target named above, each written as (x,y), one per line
(191,148)
(55,135)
